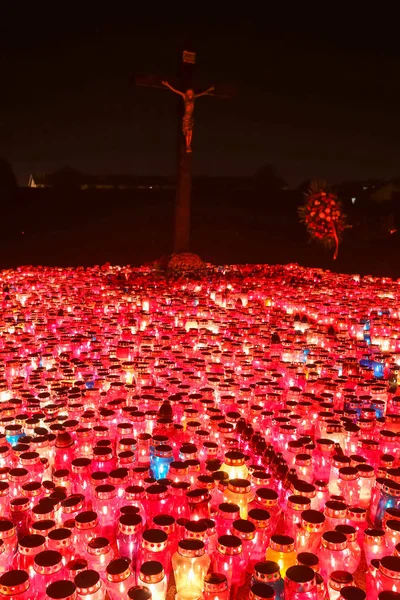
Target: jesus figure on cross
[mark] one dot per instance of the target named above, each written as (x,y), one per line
(187,120)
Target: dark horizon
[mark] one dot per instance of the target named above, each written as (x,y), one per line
(316,96)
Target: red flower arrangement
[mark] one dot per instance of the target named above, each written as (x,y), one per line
(323,215)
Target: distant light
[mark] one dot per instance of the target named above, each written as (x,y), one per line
(353,200)
(365,187)
(150,187)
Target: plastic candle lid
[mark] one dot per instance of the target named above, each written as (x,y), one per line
(14,582)
(267,571)
(87,582)
(300,579)
(261,591)
(352,593)
(139,592)
(151,572)
(118,570)
(282,543)
(61,590)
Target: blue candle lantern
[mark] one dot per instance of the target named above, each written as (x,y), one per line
(160,461)
(13,434)
(379,369)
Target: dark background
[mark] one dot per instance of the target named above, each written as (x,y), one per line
(317,96)
(317,88)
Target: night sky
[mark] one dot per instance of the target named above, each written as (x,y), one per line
(318,94)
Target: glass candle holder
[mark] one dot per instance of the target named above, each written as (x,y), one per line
(268,572)
(388,497)
(86,528)
(198,502)
(352,593)
(234,465)
(152,576)
(337,581)
(281,550)
(216,587)
(335,514)
(190,565)
(300,583)
(267,499)
(228,560)
(261,591)
(388,576)
(61,590)
(119,578)
(155,548)
(227,514)
(61,539)
(89,586)
(139,592)
(47,568)
(129,530)
(160,461)
(99,553)
(296,505)
(15,584)
(246,531)
(352,543)
(334,554)
(309,534)
(392,535)
(349,485)
(238,492)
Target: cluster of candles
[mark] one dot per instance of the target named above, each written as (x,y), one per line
(232,437)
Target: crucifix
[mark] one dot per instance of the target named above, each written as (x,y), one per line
(184,86)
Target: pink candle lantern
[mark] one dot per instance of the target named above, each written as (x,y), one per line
(334,554)
(61,539)
(86,527)
(155,548)
(15,585)
(388,575)
(296,505)
(371,578)
(119,578)
(267,499)
(392,534)
(216,587)
(129,529)
(309,534)
(335,513)
(99,553)
(228,559)
(153,577)
(89,586)
(352,543)
(227,514)
(198,501)
(349,485)
(337,581)
(246,531)
(28,547)
(47,568)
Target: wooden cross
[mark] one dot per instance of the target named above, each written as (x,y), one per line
(187,89)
